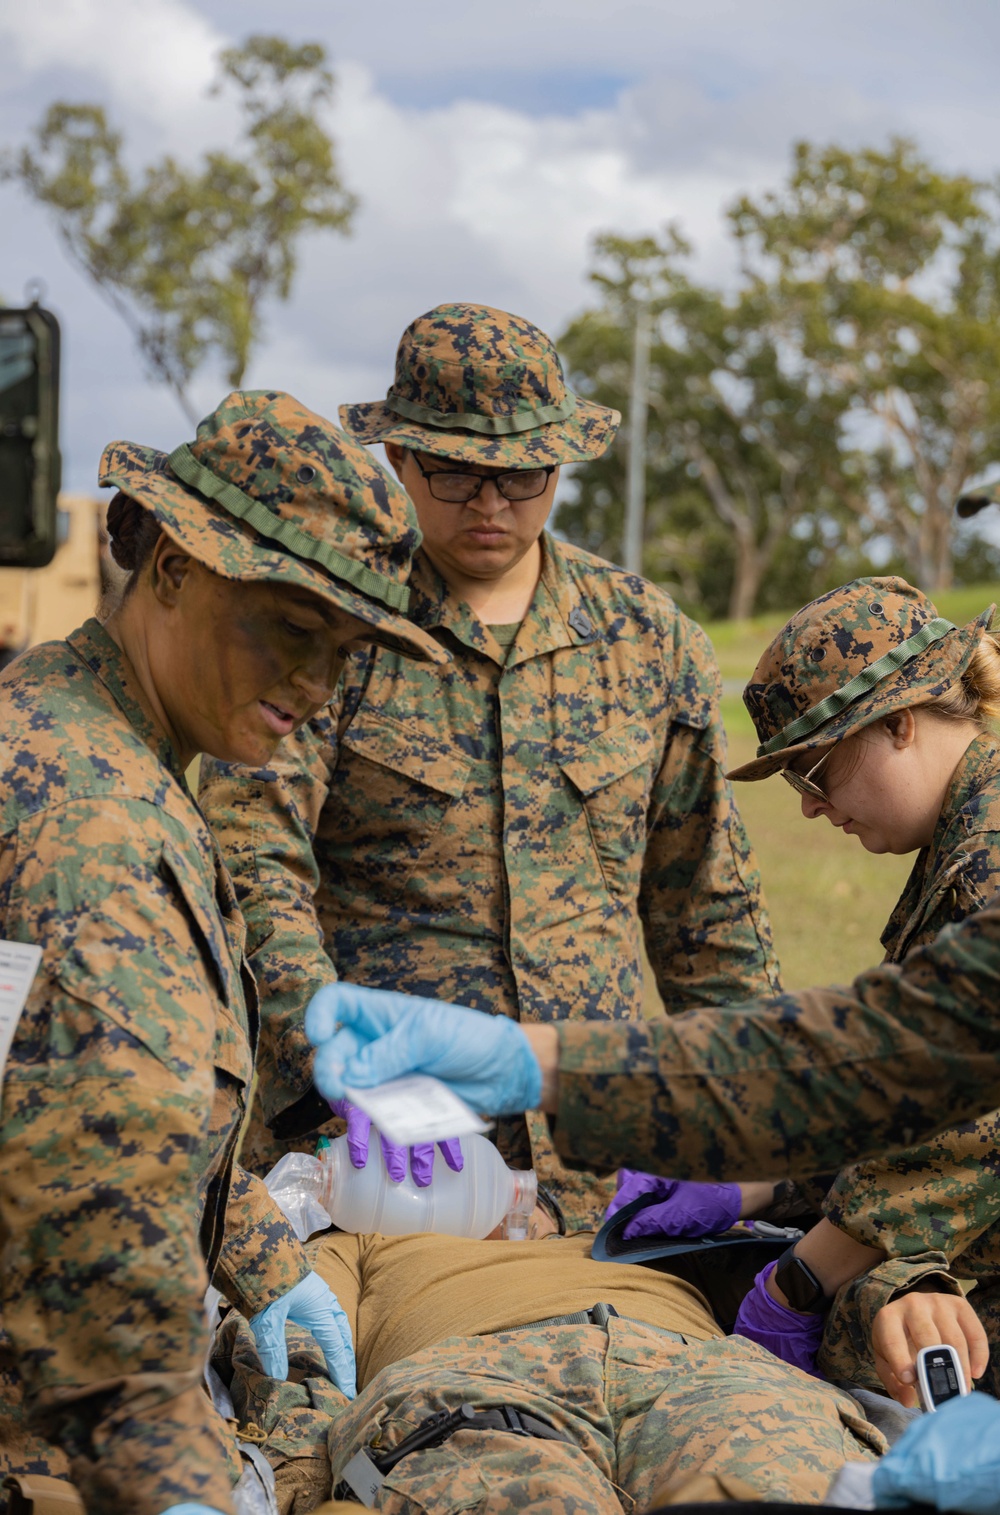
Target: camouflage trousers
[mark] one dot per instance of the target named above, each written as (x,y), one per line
(647,1418)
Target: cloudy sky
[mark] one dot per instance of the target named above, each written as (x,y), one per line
(487,144)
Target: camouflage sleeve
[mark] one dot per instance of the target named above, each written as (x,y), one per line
(261,1257)
(941,1195)
(105,1127)
(706,927)
(846,1350)
(798,1084)
(265,821)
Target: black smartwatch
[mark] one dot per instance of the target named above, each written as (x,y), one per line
(799,1284)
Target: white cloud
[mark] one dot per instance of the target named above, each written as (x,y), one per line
(477,200)
(150,59)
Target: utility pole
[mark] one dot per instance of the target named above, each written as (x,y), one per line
(635,493)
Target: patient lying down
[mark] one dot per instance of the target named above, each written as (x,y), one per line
(627,1411)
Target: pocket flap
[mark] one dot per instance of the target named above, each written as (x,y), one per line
(609,757)
(416,754)
(210,927)
(131,959)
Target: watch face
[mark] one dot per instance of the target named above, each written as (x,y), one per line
(800,1286)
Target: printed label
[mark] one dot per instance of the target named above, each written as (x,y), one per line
(364,1478)
(18,965)
(417,1109)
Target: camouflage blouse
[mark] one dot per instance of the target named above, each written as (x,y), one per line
(936,1206)
(123,1095)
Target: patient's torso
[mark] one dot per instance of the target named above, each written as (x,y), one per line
(404,1293)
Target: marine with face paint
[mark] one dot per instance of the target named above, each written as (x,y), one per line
(257,555)
(504,831)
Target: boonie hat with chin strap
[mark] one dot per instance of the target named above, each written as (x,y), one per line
(270,492)
(873,646)
(481,386)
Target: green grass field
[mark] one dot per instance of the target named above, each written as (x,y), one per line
(828,898)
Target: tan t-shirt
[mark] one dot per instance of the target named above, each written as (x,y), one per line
(404,1293)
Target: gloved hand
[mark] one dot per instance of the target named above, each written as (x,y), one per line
(365,1036)
(949,1460)
(192,1509)
(687,1209)
(789,1334)
(421,1156)
(314,1306)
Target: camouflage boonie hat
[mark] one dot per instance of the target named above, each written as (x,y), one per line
(481,386)
(270,492)
(853,655)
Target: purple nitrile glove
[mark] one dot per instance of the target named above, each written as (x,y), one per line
(789,1334)
(421,1156)
(687,1209)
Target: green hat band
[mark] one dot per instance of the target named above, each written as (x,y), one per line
(834,703)
(235,503)
(524,419)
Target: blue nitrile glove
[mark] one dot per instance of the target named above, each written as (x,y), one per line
(364,1037)
(687,1209)
(949,1460)
(421,1156)
(192,1509)
(314,1306)
(789,1334)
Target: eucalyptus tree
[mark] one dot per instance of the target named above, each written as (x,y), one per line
(189,255)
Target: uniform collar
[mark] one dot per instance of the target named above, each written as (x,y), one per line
(108,663)
(977,765)
(557,616)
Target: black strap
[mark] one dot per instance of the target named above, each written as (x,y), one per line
(308,1112)
(436,1429)
(518,1422)
(597,1315)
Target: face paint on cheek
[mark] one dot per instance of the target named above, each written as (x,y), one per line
(248,665)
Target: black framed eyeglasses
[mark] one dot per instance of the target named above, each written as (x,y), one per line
(805,783)
(458,488)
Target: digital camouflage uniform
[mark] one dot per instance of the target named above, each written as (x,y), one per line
(801,1083)
(501,831)
(798,1084)
(127,1081)
(854,655)
(646,1409)
(645,1419)
(942,1197)
(123,1095)
(650,1411)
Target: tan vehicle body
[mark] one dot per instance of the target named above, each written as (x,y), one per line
(43,604)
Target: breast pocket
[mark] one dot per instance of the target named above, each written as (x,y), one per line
(389,796)
(153,960)
(613,776)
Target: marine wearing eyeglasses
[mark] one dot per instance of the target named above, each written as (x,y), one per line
(808,783)
(459,487)
(884,716)
(504,831)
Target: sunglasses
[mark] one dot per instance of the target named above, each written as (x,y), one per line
(459,488)
(805,783)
